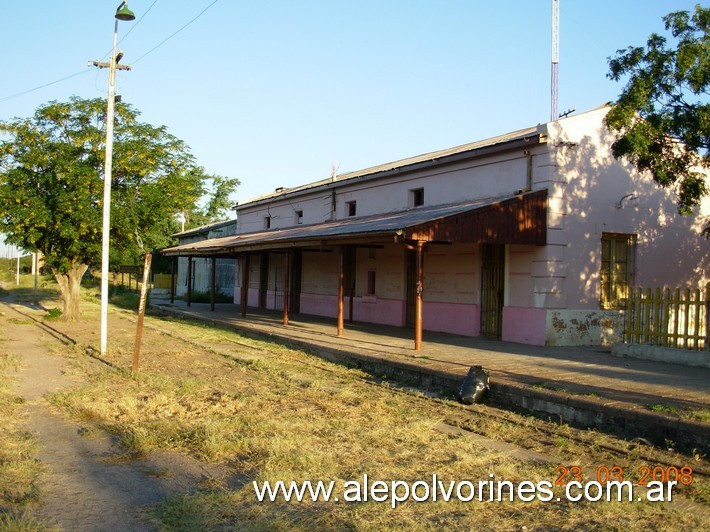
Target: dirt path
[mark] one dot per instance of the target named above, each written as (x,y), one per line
(84,486)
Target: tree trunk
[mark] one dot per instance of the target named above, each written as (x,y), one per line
(70,284)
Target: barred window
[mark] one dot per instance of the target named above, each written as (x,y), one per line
(617,268)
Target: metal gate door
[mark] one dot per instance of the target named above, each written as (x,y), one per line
(492,288)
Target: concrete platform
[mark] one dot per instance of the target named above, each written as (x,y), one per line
(583,386)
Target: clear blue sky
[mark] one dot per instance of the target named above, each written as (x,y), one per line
(276,93)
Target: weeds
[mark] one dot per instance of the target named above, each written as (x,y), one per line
(548,386)
(662,408)
(123,297)
(19,472)
(53,314)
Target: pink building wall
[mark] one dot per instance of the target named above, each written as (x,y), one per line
(552,292)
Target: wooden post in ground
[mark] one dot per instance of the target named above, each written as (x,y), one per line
(287,264)
(245,284)
(419,301)
(341,290)
(141,312)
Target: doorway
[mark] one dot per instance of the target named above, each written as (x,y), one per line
(492,289)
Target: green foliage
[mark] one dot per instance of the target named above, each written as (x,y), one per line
(51,185)
(217,203)
(663,113)
(124,297)
(53,314)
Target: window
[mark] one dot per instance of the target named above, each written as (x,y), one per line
(299,217)
(267,222)
(351,207)
(617,268)
(416,197)
(371,277)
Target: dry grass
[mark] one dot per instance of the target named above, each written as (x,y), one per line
(270,413)
(19,471)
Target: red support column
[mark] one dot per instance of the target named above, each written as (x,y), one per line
(419,301)
(341,290)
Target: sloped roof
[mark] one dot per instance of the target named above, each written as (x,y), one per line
(530,134)
(204,229)
(504,222)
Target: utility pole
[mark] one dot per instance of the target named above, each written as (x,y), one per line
(555,59)
(122,13)
(112,66)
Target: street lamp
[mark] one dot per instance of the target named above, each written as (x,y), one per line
(122,13)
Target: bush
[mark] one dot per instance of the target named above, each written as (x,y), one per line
(204,297)
(123,297)
(53,314)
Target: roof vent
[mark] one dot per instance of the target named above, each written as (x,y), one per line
(279,189)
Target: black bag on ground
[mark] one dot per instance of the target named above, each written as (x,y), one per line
(474,386)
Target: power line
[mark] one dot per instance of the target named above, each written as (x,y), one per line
(11,96)
(22,93)
(175,33)
(133,26)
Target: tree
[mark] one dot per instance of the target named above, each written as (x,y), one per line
(217,203)
(663,113)
(51,189)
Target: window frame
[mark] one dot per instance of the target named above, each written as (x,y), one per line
(416,197)
(371,284)
(616,269)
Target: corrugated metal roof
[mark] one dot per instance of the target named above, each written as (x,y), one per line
(393,223)
(204,228)
(343,179)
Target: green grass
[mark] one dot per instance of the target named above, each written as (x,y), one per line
(53,314)
(662,408)
(548,386)
(697,414)
(19,520)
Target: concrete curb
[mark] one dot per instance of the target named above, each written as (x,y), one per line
(663,354)
(627,420)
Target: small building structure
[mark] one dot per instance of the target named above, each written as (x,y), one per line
(200,268)
(534,236)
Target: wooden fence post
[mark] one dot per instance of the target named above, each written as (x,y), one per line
(141,313)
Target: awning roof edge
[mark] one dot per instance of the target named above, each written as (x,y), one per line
(516,219)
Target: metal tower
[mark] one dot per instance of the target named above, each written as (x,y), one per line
(554,115)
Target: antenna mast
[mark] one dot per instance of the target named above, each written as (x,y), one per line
(555,58)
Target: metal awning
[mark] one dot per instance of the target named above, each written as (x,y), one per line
(503,220)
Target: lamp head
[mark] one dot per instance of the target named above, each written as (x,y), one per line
(123,13)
